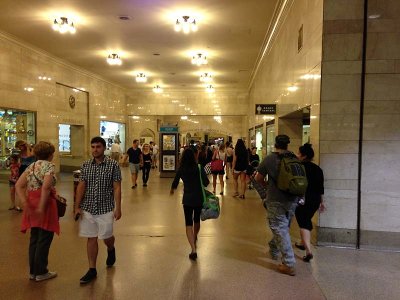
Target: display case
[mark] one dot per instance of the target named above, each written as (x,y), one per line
(169,137)
(15,125)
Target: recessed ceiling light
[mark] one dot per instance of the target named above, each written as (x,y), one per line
(184,117)
(114,59)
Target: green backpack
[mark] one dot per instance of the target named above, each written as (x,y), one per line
(291,175)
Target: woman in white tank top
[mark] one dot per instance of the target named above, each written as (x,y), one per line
(219,154)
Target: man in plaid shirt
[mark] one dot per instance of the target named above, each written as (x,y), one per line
(98,202)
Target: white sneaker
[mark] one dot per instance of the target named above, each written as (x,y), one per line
(46,276)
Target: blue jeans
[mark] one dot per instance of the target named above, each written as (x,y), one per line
(279,216)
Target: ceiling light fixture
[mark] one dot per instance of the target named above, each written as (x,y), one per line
(157,89)
(63,25)
(141,77)
(44,78)
(184,117)
(199,59)
(210,89)
(114,59)
(206,77)
(29,89)
(186,24)
(292,88)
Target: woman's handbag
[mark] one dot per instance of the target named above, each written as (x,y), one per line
(60,201)
(61,205)
(207,168)
(211,208)
(217,165)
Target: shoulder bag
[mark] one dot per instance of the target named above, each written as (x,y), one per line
(217,165)
(211,208)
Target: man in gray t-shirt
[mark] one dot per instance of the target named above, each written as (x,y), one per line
(281,207)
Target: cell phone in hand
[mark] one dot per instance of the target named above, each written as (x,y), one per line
(78,215)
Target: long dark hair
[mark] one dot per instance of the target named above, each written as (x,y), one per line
(188,160)
(240,148)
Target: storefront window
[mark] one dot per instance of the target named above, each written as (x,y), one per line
(14,125)
(270,138)
(259,142)
(64,138)
(113,132)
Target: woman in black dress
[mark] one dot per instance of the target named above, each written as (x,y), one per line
(192,200)
(147,160)
(313,199)
(239,165)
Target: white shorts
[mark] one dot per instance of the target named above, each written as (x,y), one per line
(100,226)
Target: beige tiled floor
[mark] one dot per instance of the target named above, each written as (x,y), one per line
(152,258)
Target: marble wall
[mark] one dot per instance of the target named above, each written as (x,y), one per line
(340,123)
(284,66)
(144,102)
(380,190)
(20,67)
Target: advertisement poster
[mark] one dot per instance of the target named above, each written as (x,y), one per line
(168,142)
(168,162)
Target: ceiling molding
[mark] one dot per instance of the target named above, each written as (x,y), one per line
(278,18)
(13,39)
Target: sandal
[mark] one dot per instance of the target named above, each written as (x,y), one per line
(236,195)
(11,208)
(308,257)
(241,196)
(18,209)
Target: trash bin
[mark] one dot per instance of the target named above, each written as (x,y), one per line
(76,175)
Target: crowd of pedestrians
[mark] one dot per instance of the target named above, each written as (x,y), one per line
(98,195)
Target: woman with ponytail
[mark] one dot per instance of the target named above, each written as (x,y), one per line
(313,199)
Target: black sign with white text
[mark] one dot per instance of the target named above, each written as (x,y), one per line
(265,109)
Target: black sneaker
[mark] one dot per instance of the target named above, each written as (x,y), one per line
(144,184)
(89,276)
(111,257)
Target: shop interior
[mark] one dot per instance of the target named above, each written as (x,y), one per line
(14,125)
(113,132)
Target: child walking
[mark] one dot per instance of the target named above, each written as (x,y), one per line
(14,175)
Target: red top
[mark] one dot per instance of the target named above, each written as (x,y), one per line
(48,221)
(14,169)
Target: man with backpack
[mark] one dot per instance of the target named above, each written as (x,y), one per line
(286,182)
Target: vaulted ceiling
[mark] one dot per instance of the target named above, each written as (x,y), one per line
(230,31)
